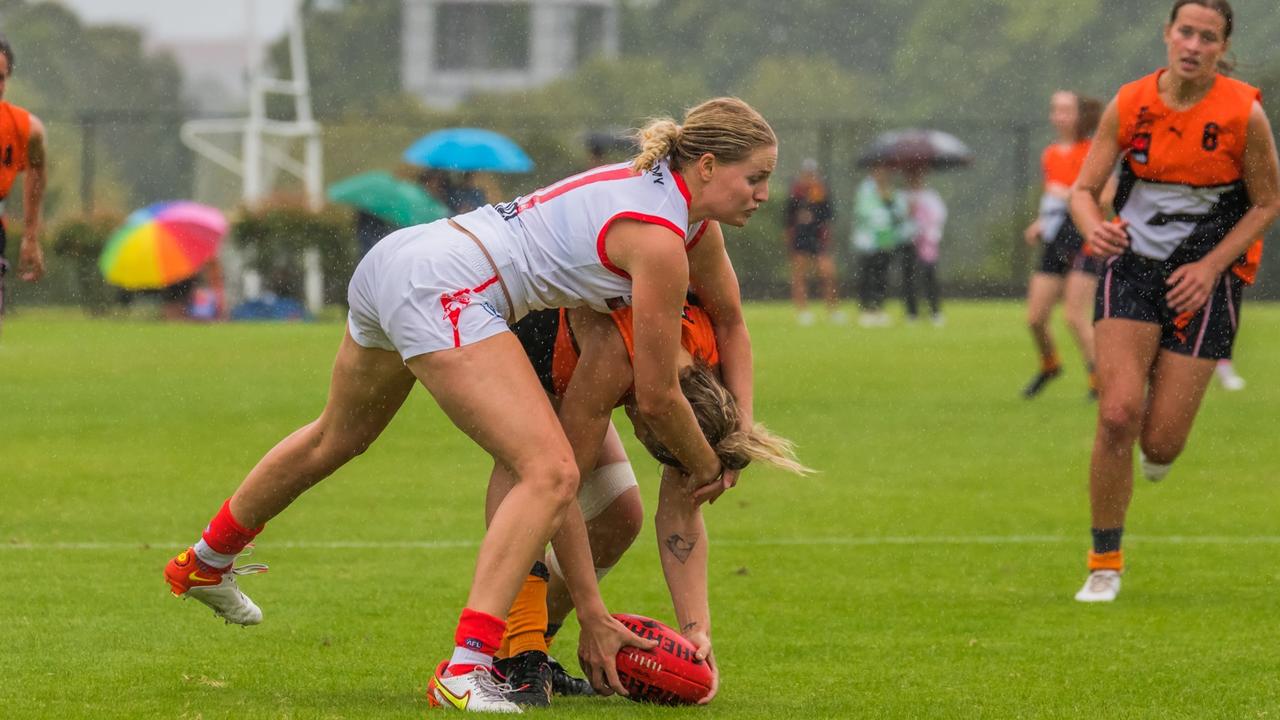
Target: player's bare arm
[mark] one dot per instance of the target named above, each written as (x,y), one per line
(655,258)
(30,254)
(1103,238)
(714,281)
(601,377)
(682,548)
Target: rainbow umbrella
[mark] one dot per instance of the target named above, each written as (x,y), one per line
(162,244)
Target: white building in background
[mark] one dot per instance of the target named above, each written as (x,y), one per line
(453,48)
(214,72)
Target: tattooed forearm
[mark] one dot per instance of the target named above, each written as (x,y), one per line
(681,548)
(35,152)
(687,627)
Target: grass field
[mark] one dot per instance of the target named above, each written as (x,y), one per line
(927,572)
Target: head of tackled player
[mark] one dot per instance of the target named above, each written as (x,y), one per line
(718,417)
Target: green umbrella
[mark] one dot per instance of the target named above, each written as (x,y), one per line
(396,201)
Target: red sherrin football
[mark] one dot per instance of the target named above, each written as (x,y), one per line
(666,674)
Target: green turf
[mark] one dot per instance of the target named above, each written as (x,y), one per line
(927,572)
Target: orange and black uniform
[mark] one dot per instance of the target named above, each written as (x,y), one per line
(15,134)
(1063,243)
(1181,191)
(548,341)
(807,215)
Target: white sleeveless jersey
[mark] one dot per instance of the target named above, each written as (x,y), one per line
(549,245)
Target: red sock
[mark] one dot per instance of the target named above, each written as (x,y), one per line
(478,635)
(226,536)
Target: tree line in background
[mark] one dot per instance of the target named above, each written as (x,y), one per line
(828,73)
(71,74)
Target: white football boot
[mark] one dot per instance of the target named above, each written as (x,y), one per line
(1228,377)
(1101,586)
(477,691)
(217,589)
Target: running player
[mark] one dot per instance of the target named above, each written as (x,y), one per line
(1065,272)
(433,304)
(21,149)
(609,496)
(1199,182)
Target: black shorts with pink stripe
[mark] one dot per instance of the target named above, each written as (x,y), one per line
(1133,287)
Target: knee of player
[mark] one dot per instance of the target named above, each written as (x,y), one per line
(1119,417)
(1161,450)
(555,477)
(630,518)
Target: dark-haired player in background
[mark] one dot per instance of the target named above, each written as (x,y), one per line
(1065,271)
(1199,184)
(21,149)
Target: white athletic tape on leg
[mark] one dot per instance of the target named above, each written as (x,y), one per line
(601,572)
(553,565)
(603,486)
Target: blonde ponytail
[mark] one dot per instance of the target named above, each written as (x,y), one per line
(725,127)
(740,448)
(656,139)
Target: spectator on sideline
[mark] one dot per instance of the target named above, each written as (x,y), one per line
(928,215)
(879,228)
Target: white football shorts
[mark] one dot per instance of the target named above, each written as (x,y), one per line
(425,288)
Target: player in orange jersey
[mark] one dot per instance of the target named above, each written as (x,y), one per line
(1199,182)
(556,341)
(1065,271)
(21,149)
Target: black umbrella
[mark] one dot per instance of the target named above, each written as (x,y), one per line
(612,140)
(932,148)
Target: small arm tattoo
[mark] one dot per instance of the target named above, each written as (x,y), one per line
(35,152)
(689,626)
(680,547)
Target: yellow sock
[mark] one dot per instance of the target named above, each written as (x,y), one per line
(527,621)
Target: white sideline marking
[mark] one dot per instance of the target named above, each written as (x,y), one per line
(906,540)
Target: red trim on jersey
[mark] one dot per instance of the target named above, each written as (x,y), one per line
(697,235)
(653,219)
(587,178)
(684,188)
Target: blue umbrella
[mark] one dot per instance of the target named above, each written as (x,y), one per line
(466,149)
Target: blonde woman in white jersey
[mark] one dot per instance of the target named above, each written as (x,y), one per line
(432,304)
